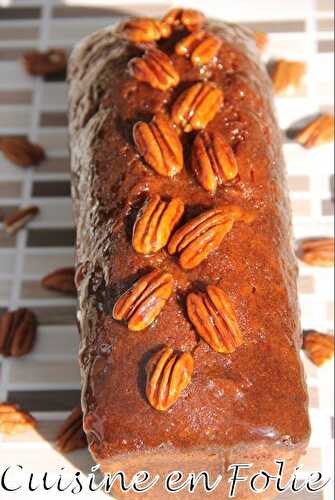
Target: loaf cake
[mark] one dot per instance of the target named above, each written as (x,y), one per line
(186,275)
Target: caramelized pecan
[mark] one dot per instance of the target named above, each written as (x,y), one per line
(185,18)
(319,347)
(168,375)
(142,303)
(286,75)
(155,223)
(201,47)
(145,29)
(155,68)
(71,435)
(202,235)
(213,160)
(21,152)
(197,106)
(317,251)
(52,62)
(319,131)
(20,218)
(61,280)
(159,145)
(214,319)
(17,332)
(13,420)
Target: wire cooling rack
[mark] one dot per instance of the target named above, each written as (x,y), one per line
(46,382)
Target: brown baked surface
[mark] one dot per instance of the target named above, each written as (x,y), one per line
(252,399)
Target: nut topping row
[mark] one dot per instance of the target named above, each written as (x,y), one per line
(214,164)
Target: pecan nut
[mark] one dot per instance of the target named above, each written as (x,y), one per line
(13,420)
(197,106)
(319,131)
(17,332)
(185,18)
(286,75)
(155,223)
(158,143)
(317,251)
(21,152)
(52,62)
(71,435)
(143,302)
(61,280)
(13,223)
(201,47)
(168,375)
(145,29)
(214,319)
(213,160)
(155,68)
(196,239)
(319,347)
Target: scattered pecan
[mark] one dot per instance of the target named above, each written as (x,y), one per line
(201,47)
(286,75)
(319,131)
(155,68)
(168,375)
(185,18)
(202,235)
(145,29)
(61,280)
(214,319)
(17,332)
(13,420)
(52,62)
(197,106)
(155,223)
(143,302)
(159,145)
(71,435)
(317,251)
(213,160)
(20,219)
(21,152)
(319,347)
(261,39)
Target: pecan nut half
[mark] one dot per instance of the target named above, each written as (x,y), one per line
(185,18)
(319,347)
(145,29)
(197,106)
(17,332)
(158,143)
(71,435)
(196,239)
(286,75)
(143,302)
(319,131)
(201,47)
(61,280)
(155,68)
(13,420)
(16,221)
(214,319)
(155,223)
(52,62)
(21,152)
(317,251)
(168,375)
(213,160)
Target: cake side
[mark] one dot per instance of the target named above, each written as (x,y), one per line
(252,397)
